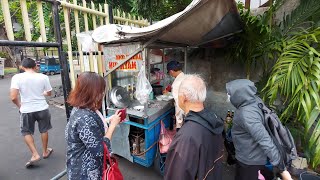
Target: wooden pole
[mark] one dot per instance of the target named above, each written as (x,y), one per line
(77,24)
(247,4)
(25,18)
(7,19)
(41,21)
(68,37)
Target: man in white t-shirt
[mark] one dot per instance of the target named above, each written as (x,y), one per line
(32,87)
(174,68)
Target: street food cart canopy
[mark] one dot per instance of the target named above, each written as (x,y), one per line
(202,22)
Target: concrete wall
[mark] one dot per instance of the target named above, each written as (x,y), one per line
(216,70)
(212,65)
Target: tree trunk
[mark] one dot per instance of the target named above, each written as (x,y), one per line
(10,59)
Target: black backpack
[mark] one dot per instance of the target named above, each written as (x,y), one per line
(280,135)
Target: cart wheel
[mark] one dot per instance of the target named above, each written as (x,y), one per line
(52,73)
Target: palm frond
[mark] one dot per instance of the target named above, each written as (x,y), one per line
(296,77)
(303,14)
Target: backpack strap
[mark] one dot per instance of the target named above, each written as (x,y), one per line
(264,108)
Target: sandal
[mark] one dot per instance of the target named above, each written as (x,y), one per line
(32,163)
(49,150)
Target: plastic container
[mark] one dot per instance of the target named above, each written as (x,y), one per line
(309,176)
(159,98)
(2,67)
(154,59)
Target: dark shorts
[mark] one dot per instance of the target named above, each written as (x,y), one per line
(27,122)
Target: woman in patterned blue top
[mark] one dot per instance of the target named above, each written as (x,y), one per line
(85,131)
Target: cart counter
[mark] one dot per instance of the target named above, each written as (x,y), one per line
(155,109)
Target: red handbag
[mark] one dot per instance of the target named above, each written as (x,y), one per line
(111,170)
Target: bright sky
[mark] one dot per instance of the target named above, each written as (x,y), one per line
(255,3)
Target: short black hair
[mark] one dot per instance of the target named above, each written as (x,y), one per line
(28,63)
(174,65)
(178,68)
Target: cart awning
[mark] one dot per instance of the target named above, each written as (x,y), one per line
(202,22)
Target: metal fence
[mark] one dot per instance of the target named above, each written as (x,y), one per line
(83,16)
(96,15)
(74,17)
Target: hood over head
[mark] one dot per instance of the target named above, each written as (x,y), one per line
(241,91)
(207,119)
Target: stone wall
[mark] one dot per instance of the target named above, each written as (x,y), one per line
(216,70)
(285,9)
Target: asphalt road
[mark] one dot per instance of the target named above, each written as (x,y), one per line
(14,153)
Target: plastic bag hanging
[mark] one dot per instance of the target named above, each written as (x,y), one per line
(86,41)
(165,138)
(143,87)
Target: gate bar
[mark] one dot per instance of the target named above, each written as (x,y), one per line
(63,61)
(28,44)
(60,175)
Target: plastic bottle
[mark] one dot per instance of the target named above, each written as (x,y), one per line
(151,95)
(133,88)
(129,89)
(227,121)
(134,148)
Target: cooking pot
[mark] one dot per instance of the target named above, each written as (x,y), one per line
(157,89)
(119,96)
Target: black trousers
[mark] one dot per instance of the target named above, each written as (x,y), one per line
(250,172)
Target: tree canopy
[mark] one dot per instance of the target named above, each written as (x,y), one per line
(151,9)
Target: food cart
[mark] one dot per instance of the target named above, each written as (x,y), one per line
(128,51)
(136,139)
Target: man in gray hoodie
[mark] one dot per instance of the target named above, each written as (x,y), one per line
(252,142)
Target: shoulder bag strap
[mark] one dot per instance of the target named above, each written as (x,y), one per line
(106,154)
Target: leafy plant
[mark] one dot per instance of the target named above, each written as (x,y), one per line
(16,16)
(151,9)
(295,77)
(250,42)
(289,53)
(305,15)
(3,55)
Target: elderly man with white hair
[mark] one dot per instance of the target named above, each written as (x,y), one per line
(197,149)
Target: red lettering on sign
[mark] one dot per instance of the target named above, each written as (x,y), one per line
(129,65)
(134,65)
(120,57)
(112,64)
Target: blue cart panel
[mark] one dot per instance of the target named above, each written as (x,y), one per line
(151,133)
